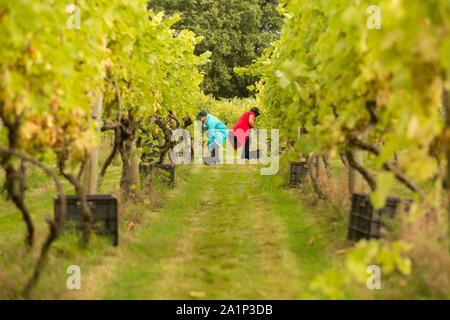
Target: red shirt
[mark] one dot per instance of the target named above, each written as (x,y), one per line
(241,130)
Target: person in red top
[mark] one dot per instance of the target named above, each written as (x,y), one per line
(240,133)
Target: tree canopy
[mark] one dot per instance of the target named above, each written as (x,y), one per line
(236,32)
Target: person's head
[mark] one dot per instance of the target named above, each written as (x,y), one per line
(202,115)
(255,110)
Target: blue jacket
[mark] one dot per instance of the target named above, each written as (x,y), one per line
(216,130)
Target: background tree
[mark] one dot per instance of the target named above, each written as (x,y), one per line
(235,31)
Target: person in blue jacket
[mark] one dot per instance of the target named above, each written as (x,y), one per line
(217,133)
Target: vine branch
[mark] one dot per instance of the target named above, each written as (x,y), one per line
(389,166)
(364,172)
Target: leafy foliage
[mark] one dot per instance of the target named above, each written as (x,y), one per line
(351,87)
(46,72)
(156,70)
(229,111)
(51,76)
(236,32)
(390,258)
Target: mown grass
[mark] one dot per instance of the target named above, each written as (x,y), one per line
(17,262)
(223,232)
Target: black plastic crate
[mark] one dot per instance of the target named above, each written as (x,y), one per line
(299,171)
(104,211)
(366,222)
(153,169)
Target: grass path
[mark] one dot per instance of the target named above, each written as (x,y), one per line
(224,233)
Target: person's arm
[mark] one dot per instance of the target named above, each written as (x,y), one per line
(211,137)
(251,121)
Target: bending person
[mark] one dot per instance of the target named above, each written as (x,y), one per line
(240,133)
(217,133)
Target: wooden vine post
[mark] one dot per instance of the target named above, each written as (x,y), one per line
(446,105)
(134,164)
(91,165)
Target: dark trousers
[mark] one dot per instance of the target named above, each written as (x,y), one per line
(246,153)
(214,158)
